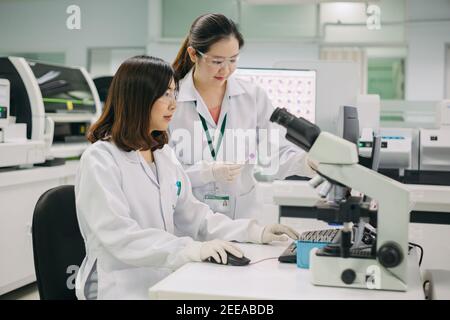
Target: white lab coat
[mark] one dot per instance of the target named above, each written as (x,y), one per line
(249,108)
(136,228)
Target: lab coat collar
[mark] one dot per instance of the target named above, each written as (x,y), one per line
(160,159)
(135,158)
(234,88)
(130,156)
(163,163)
(188,92)
(149,172)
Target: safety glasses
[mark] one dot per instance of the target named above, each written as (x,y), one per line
(219,62)
(169,96)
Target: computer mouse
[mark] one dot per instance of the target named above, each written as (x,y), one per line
(232,260)
(235,261)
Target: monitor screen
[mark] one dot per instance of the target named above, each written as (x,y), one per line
(4,101)
(294,90)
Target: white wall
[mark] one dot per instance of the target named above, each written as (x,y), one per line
(100,62)
(254,53)
(447,77)
(426,53)
(354,18)
(425,41)
(40,26)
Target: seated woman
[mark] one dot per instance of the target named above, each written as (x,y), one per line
(135,207)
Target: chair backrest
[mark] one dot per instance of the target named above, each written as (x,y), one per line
(58,246)
(102,84)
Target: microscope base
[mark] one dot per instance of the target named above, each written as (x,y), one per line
(353,273)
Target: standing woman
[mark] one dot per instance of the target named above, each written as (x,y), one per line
(135,208)
(217,106)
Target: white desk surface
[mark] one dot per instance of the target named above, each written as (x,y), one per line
(430,198)
(30,175)
(267,280)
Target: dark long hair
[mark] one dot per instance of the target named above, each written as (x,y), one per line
(205,31)
(125,120)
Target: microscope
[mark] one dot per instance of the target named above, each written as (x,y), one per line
(381,264)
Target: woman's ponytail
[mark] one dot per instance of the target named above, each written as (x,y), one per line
(182,64)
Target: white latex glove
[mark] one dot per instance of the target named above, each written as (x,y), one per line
(223,172)
(278,232)
(313,164)
(217,249)
(302,165)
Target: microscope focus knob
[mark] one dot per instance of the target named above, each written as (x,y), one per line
(348,276)
(390,255)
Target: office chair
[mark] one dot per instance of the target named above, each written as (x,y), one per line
(102,84)
(58,246)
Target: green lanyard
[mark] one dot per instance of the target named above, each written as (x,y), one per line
(208,136)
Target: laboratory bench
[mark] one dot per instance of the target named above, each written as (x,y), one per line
(268,279)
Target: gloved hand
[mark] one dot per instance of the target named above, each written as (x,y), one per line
(217,249)
(302,165)
(313,164)
(278,232)
(223,172)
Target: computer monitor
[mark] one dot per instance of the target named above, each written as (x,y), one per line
(4,102)
(294,90)
(337,84)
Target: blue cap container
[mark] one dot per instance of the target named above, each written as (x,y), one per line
(303,249)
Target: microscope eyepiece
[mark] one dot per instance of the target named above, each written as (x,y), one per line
(300,131)
(281,116)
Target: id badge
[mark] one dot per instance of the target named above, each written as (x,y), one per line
(220,203)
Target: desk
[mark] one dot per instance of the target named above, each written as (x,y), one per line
(267,280)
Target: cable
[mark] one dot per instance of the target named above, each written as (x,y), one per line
(258,261)
(421,251)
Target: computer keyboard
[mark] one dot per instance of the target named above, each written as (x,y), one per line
(290,254)
(328,235)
